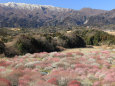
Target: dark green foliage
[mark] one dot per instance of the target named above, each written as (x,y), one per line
(3,32)
(2,47)
(11,52)
(27,44)
(62,41)
(48,45)
(53,39)
(89,40)
(75,41)
(96,37)
(70,40)
(6,39)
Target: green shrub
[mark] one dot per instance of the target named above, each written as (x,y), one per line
(96,37)
(47,44)
(6,39)
(62,40)
(27,44)
(70,40)
(11,52)
(75,41)
(2,47)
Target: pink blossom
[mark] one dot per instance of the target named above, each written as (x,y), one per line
(53,81)
(74,83)
(4,82)
(97,83)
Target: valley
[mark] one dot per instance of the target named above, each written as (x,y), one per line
(43,45)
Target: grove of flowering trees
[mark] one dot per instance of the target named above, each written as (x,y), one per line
(96,68)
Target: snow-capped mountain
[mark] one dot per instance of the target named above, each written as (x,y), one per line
(31,6)
(34,16)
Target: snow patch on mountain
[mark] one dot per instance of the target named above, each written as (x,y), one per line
(31,6)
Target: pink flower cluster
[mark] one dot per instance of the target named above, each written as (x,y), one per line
(59,69)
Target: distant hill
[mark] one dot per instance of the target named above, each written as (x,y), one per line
(92,12)
(34,16)
(106,18)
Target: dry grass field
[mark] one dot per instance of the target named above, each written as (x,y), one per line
(94,48)
(84,50)
(111,32)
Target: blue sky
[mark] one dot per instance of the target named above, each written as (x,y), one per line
(74,4)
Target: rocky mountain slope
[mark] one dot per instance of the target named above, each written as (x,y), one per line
(34,16)
(106,18)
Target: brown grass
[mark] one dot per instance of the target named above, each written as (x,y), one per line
(86,50)
(111,32)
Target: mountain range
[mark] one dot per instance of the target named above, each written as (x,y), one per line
(34,16)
